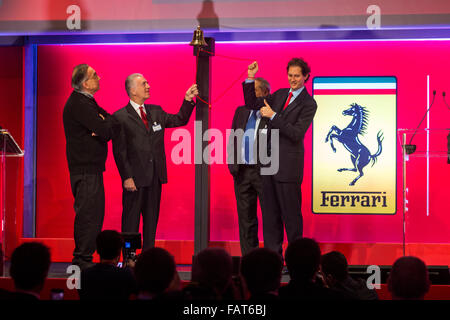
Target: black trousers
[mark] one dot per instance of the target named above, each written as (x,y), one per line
(247,189)
(281,207)
(89,205)
(146,201)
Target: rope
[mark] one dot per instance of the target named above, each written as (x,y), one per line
(232,83)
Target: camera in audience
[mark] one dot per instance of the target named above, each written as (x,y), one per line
(131,242)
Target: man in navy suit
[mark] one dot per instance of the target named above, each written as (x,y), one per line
(291,111)
(140,155)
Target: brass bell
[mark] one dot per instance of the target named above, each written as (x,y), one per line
(198,40)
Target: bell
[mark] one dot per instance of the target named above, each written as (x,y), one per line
(198,40)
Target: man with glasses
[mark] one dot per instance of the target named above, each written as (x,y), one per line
(87,128)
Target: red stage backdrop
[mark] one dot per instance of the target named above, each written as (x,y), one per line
(170,70)
(11,118)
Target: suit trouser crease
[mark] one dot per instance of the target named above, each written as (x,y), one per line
(248,188)
(146,201)
(281,208)
(89,206)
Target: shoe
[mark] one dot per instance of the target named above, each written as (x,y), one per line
(83,264)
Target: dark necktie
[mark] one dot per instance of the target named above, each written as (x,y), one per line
(249,137)
(288,100)
(144,116)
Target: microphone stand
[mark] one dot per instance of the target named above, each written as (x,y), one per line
(411,148)
(448,136)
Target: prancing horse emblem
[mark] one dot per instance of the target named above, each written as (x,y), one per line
(359,154)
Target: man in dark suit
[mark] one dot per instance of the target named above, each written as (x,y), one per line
(88,128)
(245,170)
(291,112)
(140,155)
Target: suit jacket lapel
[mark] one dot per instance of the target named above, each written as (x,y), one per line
(281,104)
(149,115)
(297,101)
(262,123)
(132,114)
(243,119)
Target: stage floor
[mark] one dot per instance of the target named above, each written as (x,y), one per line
(357,253)
(58,271)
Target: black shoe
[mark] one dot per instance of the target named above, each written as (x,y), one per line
(83,264)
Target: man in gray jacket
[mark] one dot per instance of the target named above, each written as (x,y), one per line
(140,155)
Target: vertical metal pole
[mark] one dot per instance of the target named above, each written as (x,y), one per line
(202,170)
(405,190)
(3,196)
(428,146)
(30,100)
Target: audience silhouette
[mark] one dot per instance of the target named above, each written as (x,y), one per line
(106,281)
(211,277)
(303,261)
(408,279)
(261,269)
(154,276)
(30,263)
(334,267)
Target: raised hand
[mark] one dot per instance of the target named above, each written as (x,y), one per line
(252,69)
(191,92)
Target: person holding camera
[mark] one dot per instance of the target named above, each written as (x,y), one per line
(307,283)
(106,281)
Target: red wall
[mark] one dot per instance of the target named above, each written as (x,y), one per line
(11,118)
(169,69)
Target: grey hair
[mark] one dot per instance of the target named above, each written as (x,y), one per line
(263,84)
(129,82)
(79,75)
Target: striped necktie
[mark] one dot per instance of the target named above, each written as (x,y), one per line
(144,116)
(249,137)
